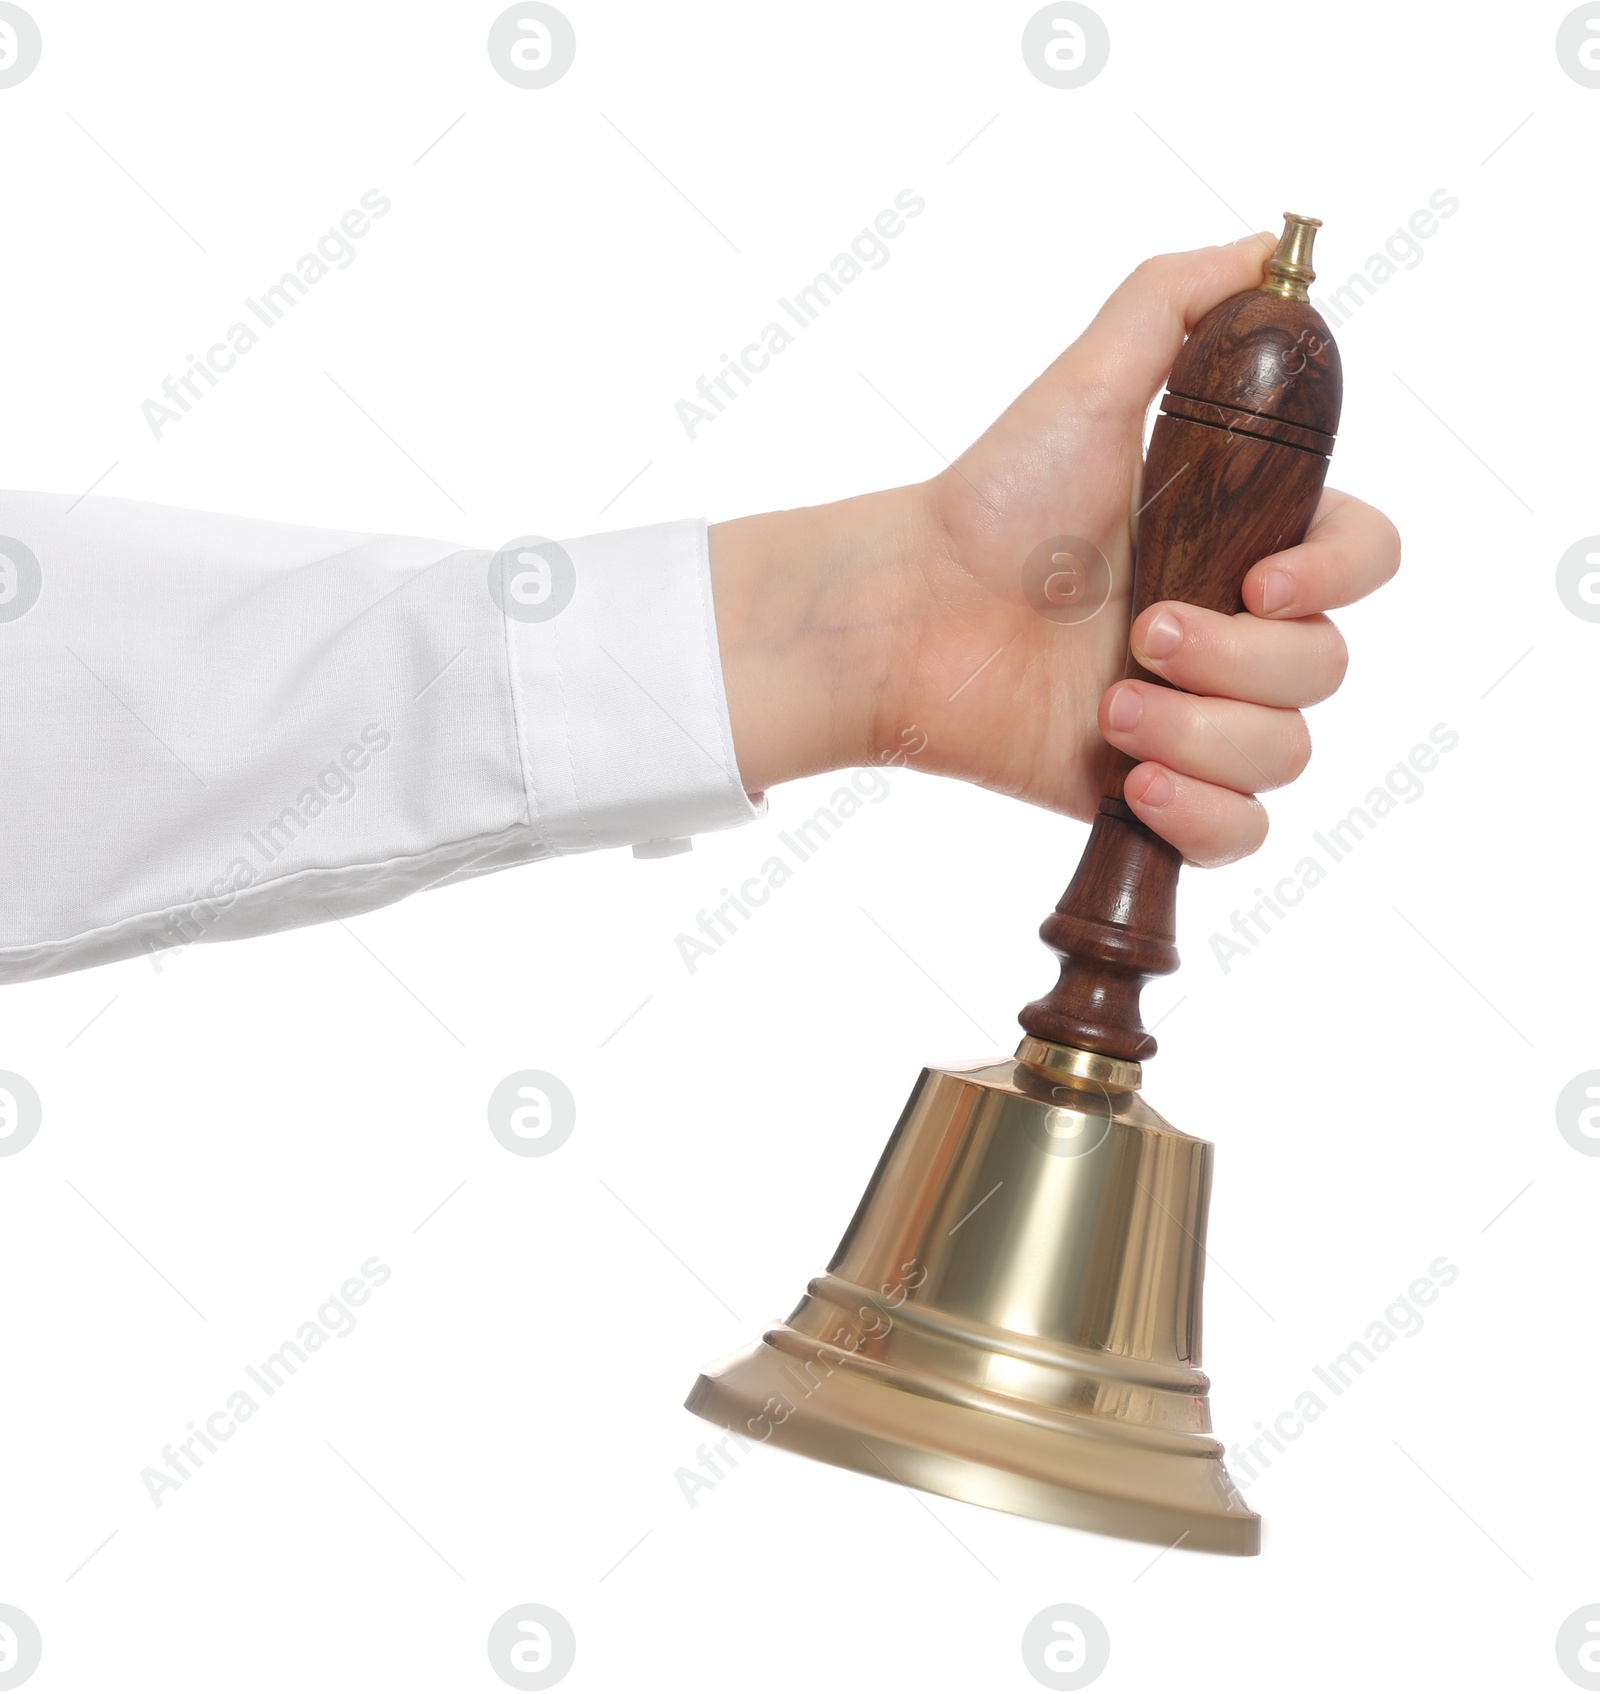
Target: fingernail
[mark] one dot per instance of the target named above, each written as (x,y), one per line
(1276,591)
(1161,639)
(1157,789)
(1125,710)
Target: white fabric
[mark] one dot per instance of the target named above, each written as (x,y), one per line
(211,727)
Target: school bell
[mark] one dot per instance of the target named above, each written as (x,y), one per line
(1013,1317)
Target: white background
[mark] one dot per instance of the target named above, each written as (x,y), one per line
(234,1135)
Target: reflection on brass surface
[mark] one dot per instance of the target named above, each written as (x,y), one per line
(1062,1064)
(1013,1315)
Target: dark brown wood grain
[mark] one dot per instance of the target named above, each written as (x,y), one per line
(1246,423)
(1261,353)
(1234,472)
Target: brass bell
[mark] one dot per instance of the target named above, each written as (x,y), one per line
(1013,1316)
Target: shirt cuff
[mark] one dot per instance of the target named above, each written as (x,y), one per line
(616,685)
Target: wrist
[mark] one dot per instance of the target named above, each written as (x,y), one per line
(815,615)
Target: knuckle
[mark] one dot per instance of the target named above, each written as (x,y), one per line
(1298,750)
(1197,738)
(1160,272)
(1389,548)
(1260,827)
(1338,662)
(1247,835)
(1328,663)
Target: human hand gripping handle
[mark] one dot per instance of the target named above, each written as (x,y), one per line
(1234,472)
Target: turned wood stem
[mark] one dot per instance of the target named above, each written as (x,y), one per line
(1237,459)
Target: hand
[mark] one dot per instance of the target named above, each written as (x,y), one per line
(859,632)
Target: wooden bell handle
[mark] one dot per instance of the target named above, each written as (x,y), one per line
(1235,468)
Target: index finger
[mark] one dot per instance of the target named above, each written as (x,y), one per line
(1350,550)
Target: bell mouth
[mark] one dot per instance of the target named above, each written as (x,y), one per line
(1013,1316)
(1173,1490)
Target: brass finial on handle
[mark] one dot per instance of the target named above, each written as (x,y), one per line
(1289,271)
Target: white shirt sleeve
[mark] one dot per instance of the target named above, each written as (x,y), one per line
(212,727)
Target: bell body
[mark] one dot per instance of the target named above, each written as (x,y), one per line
(1013,1315)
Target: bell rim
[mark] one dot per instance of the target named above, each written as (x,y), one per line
(1104,1485)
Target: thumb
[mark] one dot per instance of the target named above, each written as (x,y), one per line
(1129,348)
